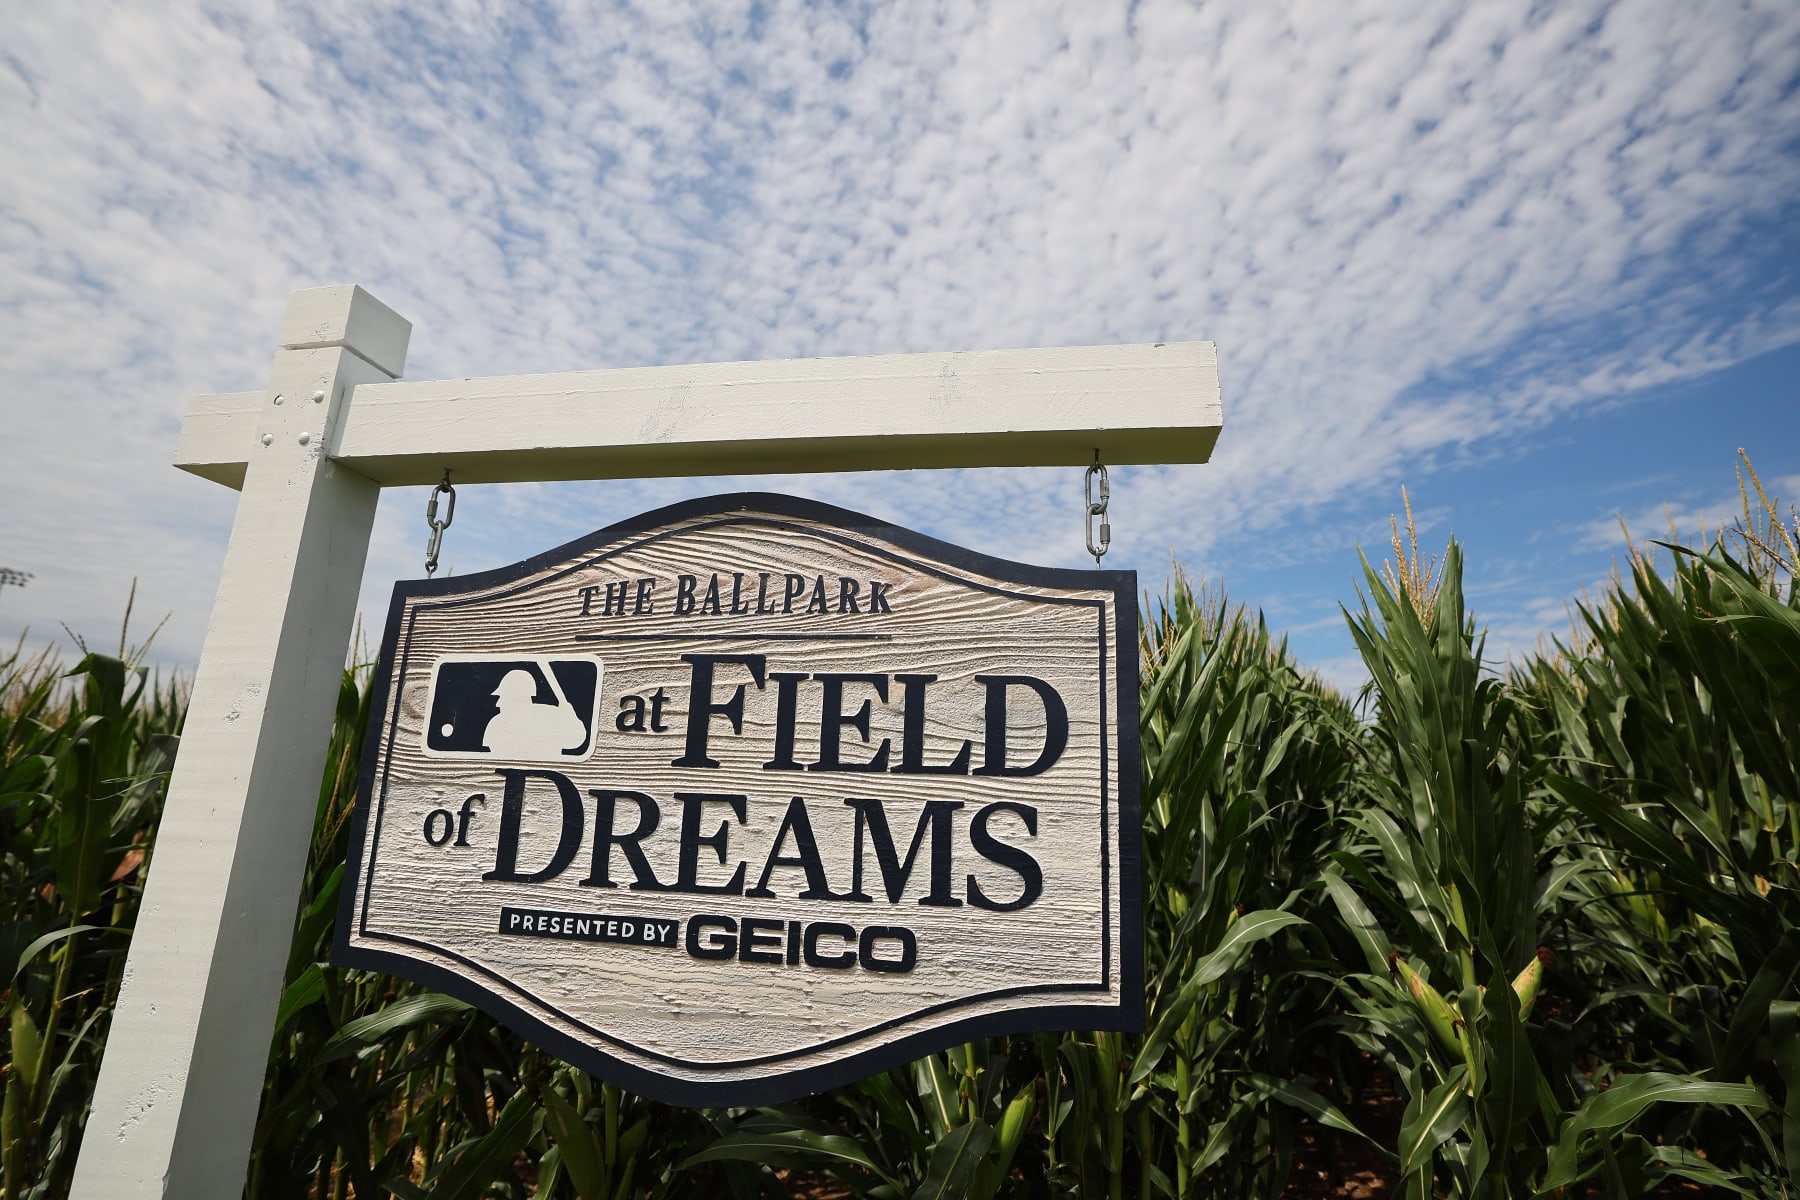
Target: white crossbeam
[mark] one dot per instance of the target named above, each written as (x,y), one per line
(1051,407)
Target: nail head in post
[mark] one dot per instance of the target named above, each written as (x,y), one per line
(318,397)
(268,439)
(305,438)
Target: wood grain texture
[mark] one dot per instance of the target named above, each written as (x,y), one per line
(1043,407)
(662,1010)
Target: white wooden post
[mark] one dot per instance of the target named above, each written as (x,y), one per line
(176,1101)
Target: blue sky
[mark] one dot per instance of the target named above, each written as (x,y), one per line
(1539,263)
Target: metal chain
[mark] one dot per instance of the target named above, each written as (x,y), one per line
(437,526)
(1097,549)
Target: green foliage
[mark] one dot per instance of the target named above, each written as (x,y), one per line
(1551,912)
(83,754)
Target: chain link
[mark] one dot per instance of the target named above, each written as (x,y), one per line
(437,527)
(1097,509)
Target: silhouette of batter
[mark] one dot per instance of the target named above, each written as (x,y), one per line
(528,730)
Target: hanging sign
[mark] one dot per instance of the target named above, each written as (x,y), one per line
(752,796)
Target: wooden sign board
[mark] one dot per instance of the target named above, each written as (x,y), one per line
(749,797)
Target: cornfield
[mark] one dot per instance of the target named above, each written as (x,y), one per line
(1475,932)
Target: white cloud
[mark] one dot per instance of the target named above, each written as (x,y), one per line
(1411,227)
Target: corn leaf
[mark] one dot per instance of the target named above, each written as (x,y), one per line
(582,1155)
(471,1171)
(953,1161)
(1438,1115)
(401,1014)
(1623,1103)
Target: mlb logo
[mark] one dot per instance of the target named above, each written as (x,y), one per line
(539,710)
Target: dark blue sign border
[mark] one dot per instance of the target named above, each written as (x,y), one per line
(780,1085)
